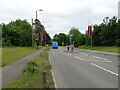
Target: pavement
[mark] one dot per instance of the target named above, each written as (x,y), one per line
(84,69)
(12,71)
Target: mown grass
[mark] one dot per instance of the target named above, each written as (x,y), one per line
(112,49)
(11,54)
(34,80)
(0,56)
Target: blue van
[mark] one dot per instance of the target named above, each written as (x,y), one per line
(55,45)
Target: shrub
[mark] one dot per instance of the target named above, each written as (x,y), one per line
(32,63)
(30,69)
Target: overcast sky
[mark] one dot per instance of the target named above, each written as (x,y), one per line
(59,16)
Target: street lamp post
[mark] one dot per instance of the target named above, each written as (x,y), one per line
(36,18)
(38,10)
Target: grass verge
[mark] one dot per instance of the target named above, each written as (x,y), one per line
(32,75)
(112,49)
(0,56)
(11,54)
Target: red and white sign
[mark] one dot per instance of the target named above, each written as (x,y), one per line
(42,36)
(90,31)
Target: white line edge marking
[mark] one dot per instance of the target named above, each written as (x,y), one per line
(104,69)
(78,58)
(52,72)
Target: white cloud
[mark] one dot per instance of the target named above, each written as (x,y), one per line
(61,15)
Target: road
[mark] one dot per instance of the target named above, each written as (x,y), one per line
(83,69)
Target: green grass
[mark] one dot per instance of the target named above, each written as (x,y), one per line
(112,49)
(11,54)
(0,56)
(34,80)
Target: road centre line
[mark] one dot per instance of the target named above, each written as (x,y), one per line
(105,58)
(78,58)
(68,53)
(104,69)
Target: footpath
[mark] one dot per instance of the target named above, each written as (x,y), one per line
(12,71)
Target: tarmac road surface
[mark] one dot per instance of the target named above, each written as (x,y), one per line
(83,69)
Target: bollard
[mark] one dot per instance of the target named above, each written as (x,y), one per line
(68,48)
(44,78)
(72,49)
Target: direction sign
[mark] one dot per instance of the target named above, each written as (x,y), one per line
(70,37)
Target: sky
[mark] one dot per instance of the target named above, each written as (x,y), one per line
(59,16)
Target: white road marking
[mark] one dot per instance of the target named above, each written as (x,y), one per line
(99,60)
(100,57)
(78,58)
(68,53)
(105,58)
(102,61)
(97,57)
(104,69)
(84,54)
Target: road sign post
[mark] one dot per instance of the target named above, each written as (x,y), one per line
(72,47)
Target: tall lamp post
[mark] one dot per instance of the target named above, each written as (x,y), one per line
(36,18)
(32,27)
(38,10)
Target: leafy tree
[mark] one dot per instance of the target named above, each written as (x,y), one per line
(106,33)
(61,38)
(77,36)
(17,33)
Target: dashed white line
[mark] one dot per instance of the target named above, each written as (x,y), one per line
(97,57)
(104,69)
(100,57)
(105,58)
(68,53)
(78,58)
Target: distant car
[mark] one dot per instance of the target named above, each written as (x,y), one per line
(54,45)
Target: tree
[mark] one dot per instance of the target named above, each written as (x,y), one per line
(61,38)
(77,36)
(17,33)
(106,33)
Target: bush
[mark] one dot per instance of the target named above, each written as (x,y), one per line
(118,42)
(32,63)
(30,69)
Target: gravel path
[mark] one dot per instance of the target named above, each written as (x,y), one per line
(12,71)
